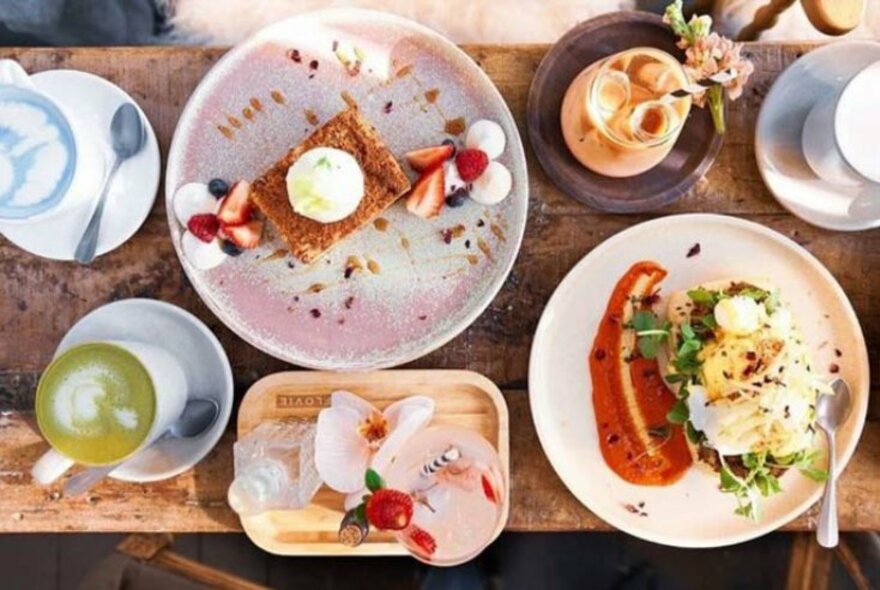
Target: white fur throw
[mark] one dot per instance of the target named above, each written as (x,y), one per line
(226,22)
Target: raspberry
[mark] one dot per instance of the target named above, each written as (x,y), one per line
(204,226)
(471,164)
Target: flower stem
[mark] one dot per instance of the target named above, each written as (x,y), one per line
(716,106)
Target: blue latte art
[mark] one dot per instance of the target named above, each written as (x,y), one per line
(37,153)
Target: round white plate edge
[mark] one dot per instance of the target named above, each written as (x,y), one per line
(225,407)
(760,148)
(216,308)
(763,528)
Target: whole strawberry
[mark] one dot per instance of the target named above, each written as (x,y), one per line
(389,509)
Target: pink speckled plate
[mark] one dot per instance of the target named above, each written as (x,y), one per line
(417,292)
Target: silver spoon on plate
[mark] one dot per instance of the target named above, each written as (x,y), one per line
(197,417)
(831,413)
(128,136)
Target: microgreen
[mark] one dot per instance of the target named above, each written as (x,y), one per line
(761,481)
(804,461)
(694,436)
(680,413)
(324,162)
(705,297)
(759,295)
(650,335)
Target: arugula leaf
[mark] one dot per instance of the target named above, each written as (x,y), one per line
(814,473)
(703,296)
(729,482)
(694,436)
(771,304)
(643,320)
(676,378)
(687,332)
(755,293)
(679,413)
(650,336)
(709,321)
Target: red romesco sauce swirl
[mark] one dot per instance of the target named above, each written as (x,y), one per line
(630,399)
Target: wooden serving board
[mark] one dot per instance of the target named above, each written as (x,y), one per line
(463,398)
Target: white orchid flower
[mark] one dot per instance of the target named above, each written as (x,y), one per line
(353,435)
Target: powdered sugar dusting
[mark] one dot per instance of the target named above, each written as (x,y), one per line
(391,292)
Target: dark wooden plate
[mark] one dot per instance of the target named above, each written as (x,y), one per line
(592,40)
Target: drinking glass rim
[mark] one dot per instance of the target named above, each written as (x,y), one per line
(57,360)
(604,68)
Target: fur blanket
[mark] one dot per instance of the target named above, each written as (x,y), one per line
(475,21)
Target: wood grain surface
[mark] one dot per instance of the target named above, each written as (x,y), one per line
(40,300)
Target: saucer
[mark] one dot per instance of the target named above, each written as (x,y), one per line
(691,156)
(786,173)
(93,100)
(203,359)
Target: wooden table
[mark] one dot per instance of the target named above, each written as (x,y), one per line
(40,300)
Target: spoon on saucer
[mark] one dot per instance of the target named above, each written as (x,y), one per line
(831,412)
(128,136)
(198,416)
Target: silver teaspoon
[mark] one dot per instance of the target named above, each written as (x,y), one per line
(198,416)
(831,412)
(128,137)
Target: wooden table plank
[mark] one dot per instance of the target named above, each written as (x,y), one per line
(40,300)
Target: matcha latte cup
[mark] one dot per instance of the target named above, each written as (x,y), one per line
(99,403)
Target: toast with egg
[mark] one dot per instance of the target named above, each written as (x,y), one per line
(746,382)
(384,183)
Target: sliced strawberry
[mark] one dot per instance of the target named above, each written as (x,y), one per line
(389,509)
(244,236)
(488,490)
(471,164)
(422,540)
(235,208)
(204,226)
(430,157)
(428,195)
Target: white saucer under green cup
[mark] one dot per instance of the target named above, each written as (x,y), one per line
(144,326)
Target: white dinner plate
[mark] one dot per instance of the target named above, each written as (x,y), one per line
(692,512)
(208,375)
(819,73)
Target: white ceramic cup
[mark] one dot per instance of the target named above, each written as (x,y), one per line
(840,133)
(170,388)
(88,150)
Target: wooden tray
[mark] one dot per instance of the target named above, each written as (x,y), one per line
(463,398)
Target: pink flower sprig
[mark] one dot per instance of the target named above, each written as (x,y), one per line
(711,61)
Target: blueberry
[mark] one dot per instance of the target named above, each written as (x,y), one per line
(457,198)
(229,248)
(452,143)
(218,187)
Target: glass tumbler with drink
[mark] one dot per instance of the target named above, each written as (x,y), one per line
(622,115)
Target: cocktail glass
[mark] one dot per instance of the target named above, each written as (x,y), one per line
(619,117)
(457,481)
